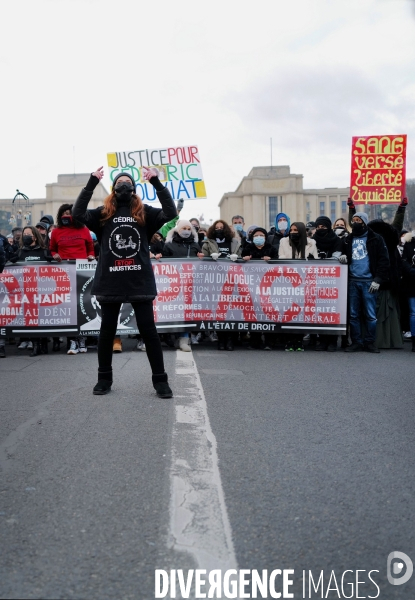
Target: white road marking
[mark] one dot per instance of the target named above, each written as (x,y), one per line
(199,522)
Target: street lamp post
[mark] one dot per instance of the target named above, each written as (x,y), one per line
(21,211)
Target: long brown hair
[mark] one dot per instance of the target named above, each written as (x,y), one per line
(38,238)
(136,208)
(227,233)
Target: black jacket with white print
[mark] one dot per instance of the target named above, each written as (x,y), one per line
(124,272)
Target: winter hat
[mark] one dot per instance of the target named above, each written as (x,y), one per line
(253,232)
(179,225)
(43,224)
(47,219)
(323,221)
(311,225)
(363,216)
(122,174)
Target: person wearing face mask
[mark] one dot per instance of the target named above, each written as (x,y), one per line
(182,241)
(340,228)
(238,224)
(200,234)
(367,256)
(297,244)
(124,227)
(280,231)
(32,247)
(70,239)
(328,243)
(259,249)
(221,242)
(310,227)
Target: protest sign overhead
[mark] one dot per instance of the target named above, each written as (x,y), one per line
(378,169)
(179,170)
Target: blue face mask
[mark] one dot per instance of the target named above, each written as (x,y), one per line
(259,240)
(239,227)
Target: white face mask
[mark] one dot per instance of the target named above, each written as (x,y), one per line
(282,225)
(49,234)
(185,233)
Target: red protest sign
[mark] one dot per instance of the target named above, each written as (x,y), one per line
(378,169)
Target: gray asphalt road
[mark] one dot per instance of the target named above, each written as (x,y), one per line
(316,456)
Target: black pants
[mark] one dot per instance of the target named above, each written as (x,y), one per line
(145,322)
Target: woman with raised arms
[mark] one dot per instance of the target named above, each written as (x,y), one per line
(124,227)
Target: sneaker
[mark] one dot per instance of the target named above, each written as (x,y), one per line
(407,335)
(82,346)
(183,344)
(355,347)
(306,338)
(289,347)
(213,336)
(73,348)
(29,345)
(117,345)
(2,352)
(267,347)
(299,347)
(371,348)
(194,339)
(141,346)
(23,346)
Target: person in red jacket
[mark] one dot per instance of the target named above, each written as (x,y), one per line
(70,240)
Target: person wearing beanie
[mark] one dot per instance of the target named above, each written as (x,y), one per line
(259,249)
(124,227)
(367,256)
(280,231)
(328,243)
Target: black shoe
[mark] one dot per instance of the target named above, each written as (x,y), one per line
(229,345)
(355,347)
(56,345)
(44,348)
(332,348)
(2,352)
(221,346)
(161,386)
(371,348)
(102,387)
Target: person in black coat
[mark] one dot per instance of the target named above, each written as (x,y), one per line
(328,243)
(367,256)
(31,247)
(408,280)
(259,249)
(182,241)
(124,227)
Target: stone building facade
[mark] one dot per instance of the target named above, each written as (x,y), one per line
(266,191)
(64,191)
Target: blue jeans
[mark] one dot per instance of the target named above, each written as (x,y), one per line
(362,306)
(412,315)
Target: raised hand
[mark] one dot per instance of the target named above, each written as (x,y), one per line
(149,172)
(99,173)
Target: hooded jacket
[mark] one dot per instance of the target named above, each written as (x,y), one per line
(178,247)
(124,272)
(377,253)
(391,238)
(275,236)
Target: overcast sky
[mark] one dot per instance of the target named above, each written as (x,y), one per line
(125,75)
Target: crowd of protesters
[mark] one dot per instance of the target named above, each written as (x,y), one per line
(380,258)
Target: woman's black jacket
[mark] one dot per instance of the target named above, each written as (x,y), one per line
(181,248)
(124,272)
